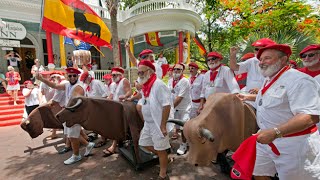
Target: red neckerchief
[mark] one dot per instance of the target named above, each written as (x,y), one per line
(311,73)
(119,81)
(146,87)
(266,87)
(109,83)
(88,87)
(175,82)
(193,78)
(214,73)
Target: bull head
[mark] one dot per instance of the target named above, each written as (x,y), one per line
(206,133)
(75,106)
(177,122)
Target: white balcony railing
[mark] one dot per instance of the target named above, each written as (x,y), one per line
(144,7)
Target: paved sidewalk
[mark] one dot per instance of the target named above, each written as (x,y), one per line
(24,158)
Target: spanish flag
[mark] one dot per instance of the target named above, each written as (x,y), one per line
(201,47)
(153,39)
(75,19)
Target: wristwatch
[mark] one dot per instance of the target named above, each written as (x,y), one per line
(278,132)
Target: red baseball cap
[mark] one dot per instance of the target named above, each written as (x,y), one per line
(117,69)
(215,54)
(193,64)
(72,70)
(280,47)
(247,56)
(147,63)
(263,42)
(145,52)
(309,48)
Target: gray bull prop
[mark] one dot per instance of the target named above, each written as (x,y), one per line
(222,125)
(112,120)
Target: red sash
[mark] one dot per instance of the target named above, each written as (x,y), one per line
(146,87)
(266,87)
(214,73)
(309,130)
(196,100)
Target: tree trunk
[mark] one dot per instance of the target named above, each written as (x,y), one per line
(113,10)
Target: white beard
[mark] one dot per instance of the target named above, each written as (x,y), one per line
(311,63)
(176,76)
(144,79)
(116,80)
(268,71)
(212,66)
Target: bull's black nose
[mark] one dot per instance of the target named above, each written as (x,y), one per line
(195,164)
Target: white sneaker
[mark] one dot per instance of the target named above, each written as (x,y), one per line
(88,149)
(73,159)
(182,149)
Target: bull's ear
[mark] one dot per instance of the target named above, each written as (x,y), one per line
(205,133)
(75,106)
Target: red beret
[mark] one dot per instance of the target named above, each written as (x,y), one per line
(84,76)
(145,52)
(263,42)
(179,64)
(247,56)
(215,54)
(293,63)
(203,71)
(89,66)
(280,47)
(107,76)
(57,72)
(45,72)
(309,48)
(117,69)
(193,64)
(147,63)
(72,70)
(27,82)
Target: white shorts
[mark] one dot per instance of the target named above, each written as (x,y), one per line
(299,158)
(149,137)
(182,115)
(13,87)
(73,131)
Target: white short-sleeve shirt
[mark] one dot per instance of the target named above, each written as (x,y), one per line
(254,78)
(181,89)
(32,99)
(97,89)
(196,87)
(225,82)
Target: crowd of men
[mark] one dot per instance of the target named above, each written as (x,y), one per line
(286,102)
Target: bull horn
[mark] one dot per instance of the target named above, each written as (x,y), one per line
(176,121)
(206,133)
(78,103)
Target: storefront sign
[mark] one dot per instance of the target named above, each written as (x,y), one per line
(13,31)
(9,43)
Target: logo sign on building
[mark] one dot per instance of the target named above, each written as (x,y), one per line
(9,43)
(13,31)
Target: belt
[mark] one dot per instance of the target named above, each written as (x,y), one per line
(196,100)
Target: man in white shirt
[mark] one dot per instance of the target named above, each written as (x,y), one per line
(32,96)
(155,110)
(220,79)
(195,81)
(287,112)
(250,66)
(93,87)
(13,60)
(180,94)
(110,86)
(72,89)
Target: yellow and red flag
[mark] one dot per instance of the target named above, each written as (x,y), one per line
(153,39)
(201,47)
(75,19)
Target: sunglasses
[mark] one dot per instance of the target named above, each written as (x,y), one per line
(256,49)
(192,68)
(141,73)
(144,56)
(74,75)
(308,55)
(114,75)
(177,69)
(212,59)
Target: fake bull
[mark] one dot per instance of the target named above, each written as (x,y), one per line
(111,119)
(42,117)
(222,125)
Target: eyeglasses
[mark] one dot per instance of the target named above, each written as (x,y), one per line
(74,75)
(177,69)
(141,73)
(308,55)
(212,59)
(190,68)
(256,49)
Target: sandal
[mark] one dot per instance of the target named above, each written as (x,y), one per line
(164,178)
(100,144)
(107,153)
(64,150)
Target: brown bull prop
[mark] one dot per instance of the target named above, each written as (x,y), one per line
(112,120)
(223,124)
(42,117)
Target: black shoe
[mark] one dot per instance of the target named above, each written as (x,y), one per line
(64,150)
